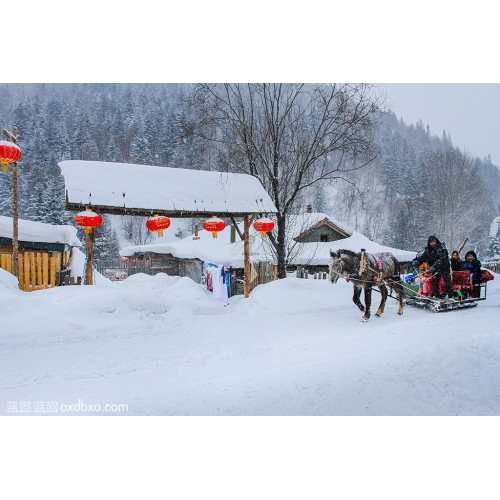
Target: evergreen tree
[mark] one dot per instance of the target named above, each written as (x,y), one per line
(106,244)
(494,249)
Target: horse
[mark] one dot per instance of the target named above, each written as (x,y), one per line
(366,270)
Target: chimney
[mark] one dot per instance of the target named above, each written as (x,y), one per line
(309,209)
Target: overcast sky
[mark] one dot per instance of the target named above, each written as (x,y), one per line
(470,112)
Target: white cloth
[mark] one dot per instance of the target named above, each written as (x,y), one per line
(219,287)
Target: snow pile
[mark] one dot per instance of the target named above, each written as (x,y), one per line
(77,266)
(8,281)
(40,232)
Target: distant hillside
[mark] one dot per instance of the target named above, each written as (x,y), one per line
(398,200)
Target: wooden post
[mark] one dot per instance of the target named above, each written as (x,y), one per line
(39,270)
(15,219)
(33,271)
(89,275)
(21,272)
(246,256)
(15,205)
(45,267)
(26,272)
(53,271)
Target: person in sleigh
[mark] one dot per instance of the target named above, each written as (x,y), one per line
(436,256)
(473,265)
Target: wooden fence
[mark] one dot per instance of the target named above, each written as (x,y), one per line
(37,270)
(261,273)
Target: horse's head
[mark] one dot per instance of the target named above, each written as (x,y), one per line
(336,266)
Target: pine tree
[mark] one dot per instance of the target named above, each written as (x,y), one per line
(106,244)
(494,249)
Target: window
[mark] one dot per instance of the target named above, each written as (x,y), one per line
(323,237)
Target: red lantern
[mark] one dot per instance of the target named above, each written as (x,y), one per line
(88,220)
(264,225)
(9,153)
(124,259)
(214,225)
(158,224)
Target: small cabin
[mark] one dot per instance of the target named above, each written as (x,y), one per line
(44,253)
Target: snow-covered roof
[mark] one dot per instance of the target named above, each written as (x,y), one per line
(144,190)
(298,224)
(495,226)
(208,249)
(40,232)
(221,251)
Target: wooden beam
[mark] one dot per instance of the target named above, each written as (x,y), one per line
(236,227)
(246,256)
(143,212)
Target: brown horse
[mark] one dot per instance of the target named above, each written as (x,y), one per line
(366,270)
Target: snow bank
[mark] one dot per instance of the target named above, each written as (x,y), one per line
(161,346)
(77,265)
(8,280)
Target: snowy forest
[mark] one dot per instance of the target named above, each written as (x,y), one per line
(418,184)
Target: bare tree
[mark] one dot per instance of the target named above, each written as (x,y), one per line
(135,230)
(456,199)
(290,136)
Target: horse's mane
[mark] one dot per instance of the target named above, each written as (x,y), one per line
(348,252)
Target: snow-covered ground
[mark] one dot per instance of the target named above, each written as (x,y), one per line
(161,346)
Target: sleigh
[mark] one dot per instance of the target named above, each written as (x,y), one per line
(466,293)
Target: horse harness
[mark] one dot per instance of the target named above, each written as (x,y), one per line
(362,266)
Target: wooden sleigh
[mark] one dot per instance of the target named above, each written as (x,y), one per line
(466,294)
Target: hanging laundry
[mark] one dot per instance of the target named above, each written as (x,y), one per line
(219,285)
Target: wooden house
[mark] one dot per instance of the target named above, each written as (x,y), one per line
(44,253)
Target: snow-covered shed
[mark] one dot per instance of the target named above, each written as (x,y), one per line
(125,188)
(129,189)
(44,251)
(186,257)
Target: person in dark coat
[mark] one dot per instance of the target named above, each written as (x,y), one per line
(436,255)
(473,265)
(456,261)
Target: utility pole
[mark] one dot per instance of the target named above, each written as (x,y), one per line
(12,137)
